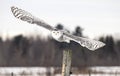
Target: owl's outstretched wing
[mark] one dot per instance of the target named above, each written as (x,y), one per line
(26,16)
(88,43)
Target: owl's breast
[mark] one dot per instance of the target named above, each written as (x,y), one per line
(57,37)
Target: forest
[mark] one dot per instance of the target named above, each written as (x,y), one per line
(23,51)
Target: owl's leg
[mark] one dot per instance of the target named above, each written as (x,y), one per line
(66,39)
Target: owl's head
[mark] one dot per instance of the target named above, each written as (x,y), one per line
(56,34)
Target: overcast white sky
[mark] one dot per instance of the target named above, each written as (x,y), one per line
(97,17)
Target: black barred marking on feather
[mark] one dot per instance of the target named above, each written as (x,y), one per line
(22,14)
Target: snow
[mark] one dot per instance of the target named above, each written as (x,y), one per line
(41,71)
(24,70)
(112,69)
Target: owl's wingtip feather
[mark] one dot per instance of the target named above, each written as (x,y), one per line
(102,45)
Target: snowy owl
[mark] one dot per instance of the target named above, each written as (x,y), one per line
(59,35)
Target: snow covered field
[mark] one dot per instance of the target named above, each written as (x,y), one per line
(42,71)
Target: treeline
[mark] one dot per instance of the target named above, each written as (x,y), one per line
(23,51)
